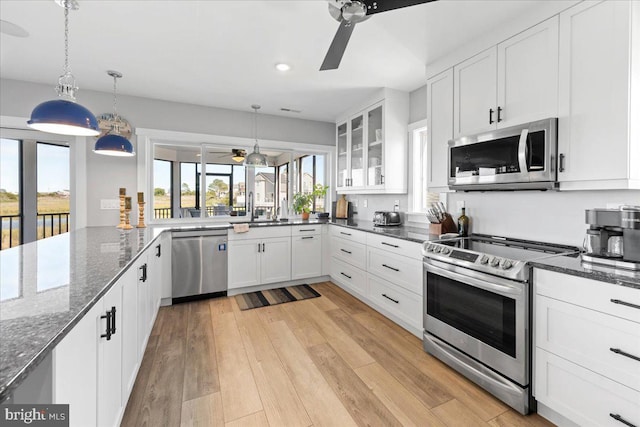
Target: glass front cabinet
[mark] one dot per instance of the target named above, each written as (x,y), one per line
(371,149)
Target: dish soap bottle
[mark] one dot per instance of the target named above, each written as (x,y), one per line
(463,224)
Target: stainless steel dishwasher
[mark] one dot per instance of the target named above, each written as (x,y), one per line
(198,264)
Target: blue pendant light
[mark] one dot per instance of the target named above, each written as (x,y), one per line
(63,115)
(256,158)
(113,143)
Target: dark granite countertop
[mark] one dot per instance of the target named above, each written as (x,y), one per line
(575,267)
(413,234)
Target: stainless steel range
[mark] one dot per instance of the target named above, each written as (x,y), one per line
(477,310)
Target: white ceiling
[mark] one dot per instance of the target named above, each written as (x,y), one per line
(222,53)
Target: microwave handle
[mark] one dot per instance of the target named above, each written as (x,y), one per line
(522,151)
(503,288)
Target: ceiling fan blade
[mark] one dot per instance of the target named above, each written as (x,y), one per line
(338,46)
(377,6)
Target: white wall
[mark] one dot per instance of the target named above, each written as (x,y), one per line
(418,104)
(106,174)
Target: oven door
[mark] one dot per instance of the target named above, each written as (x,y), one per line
(481,315)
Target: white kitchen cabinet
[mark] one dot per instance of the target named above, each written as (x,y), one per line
(439,127)
(599,98)
(259,261)
(371,146)
(75,367)
(275,260)
(110,399)
(395,300)
(161,273)
(350,277)
(512,83)
(128,319)
(144,307)
(306,256)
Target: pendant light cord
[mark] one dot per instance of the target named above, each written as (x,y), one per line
(115,111)
(66,38)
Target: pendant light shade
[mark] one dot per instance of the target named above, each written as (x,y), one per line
(113,143)
(63,115)
(255,159)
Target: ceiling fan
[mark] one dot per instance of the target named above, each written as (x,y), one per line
(236,154)
(350,13)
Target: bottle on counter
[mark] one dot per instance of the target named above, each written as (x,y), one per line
(463,224)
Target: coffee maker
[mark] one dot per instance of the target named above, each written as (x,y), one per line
(613,238)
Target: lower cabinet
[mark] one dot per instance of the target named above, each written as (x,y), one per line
(306,256)
(351,277)
(110,398)
(396,300)
(259,261)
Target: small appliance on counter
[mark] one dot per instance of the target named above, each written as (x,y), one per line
(613,238)
(386,218)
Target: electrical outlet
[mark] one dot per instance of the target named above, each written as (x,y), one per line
(364,203)
(396,205)
(459,205)
(355,203)
(110,204)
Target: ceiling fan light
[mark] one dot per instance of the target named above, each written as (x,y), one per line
(237,158)
(114,145)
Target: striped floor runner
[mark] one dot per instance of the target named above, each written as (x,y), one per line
(275,296)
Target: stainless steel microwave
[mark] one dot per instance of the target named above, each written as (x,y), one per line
(520,157)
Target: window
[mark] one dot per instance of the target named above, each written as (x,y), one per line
(188,179)
(162,178)
(265,189)
(52,202)
(10,193)
(422,198)
(283,183)
(239,188)
(312,174)
(218,183)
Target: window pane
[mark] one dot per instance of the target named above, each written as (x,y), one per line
(307,174)
(162,189)
(215,168)
(9,192)
(283,183)
(52,190)
(265,190)
(217,199)
(239,188)
(188,185)
(320,201)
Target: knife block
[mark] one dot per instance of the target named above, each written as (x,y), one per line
(446,226)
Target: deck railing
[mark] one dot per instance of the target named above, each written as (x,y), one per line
(10,231)
(52,224)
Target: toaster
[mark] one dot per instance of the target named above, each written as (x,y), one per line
(386,218)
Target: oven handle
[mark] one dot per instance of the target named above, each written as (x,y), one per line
(522,151)
(503,289)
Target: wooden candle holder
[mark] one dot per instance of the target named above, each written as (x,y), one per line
(141,215)
(122,212)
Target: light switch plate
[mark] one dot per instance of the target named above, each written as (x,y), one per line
(364,203)
(396,205)
(109,204)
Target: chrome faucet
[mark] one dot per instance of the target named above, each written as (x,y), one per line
(250,206)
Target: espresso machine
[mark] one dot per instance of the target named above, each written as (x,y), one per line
(613,238)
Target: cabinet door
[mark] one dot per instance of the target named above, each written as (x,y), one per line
(75,369)
(357,151)
(243,263)
(342,153)
(128,318)
(275,263)
(143,304)
(528,75)
(110,362)
(439,127)
(594,92)
(474,89)
(375,146)
(306,256)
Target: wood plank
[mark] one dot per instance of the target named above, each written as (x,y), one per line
(174,324)
(454,413)
(342,298)
(220,305)
(137,397)
(258,419)
(273,313)
(402,404)
(157,325)
(365,408)
(322,405)
(426,389)
(324,303)
(204,411)
(239,392)
(514,419)
(201,368)
(477,399)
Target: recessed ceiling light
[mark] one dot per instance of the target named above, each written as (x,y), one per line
(283,67)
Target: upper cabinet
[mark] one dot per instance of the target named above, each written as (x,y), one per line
(512,83)
(599,100)
(371,147)
(439,127)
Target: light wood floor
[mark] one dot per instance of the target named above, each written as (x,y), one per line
(328,361)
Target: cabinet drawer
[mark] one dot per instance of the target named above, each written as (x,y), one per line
(263,232)
(349,276)
(397,269)
(582,396)
(396,246)
(306,256)
(399,302)
(586,338)
(601,296)
(349,234)
(350,252)
(305,230)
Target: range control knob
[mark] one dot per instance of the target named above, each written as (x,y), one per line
(437,249)
(484,259)
(506,264)
(446,251)
(495,261)
(429,247)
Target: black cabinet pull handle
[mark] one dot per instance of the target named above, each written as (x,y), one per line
(389,244)
(263,248)
(625,354)
(622,420)
(158,251)
(390,268)
(499,111)
(345,275)
(307,229)
(381,179)
(308,237)
(490,116)
(346,251)
(143,268)
(259,246)
(107,333)
(628,304)
(561,163)
(113,320)
(346,234)
(389,298)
